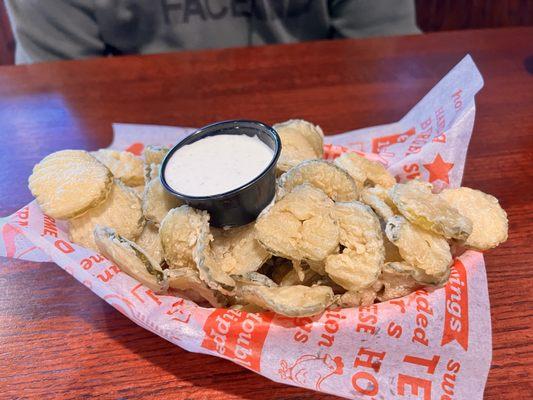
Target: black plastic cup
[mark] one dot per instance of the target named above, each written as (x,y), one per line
(241,205)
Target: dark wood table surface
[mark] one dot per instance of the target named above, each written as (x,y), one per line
(59,340)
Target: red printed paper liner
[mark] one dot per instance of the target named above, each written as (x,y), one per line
(428,345)
(434,343)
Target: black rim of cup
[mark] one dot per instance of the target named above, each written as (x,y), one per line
(220,126)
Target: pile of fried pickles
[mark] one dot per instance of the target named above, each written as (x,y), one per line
(338,234)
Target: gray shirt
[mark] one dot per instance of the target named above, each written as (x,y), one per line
(67,29)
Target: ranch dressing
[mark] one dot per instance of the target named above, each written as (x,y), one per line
(217,164)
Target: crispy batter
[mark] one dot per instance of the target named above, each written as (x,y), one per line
(139,190)
(300,226)
(131,259)
(354,271)
(149,241)
(253,278)
(425,251)
(121,211)
(157,202)
(365,172)
(152,158)
(291,301)
(67,183)
(237,251)
(364,297)
(295,149)
(398,280)
(378,198)
(234,252)
(359,227)
(154,154)
(313,133)
(180,232)
(324,175)
(429,211)
(188,279)
(300,141)
(123,165)
(151,172)
(489,220)
(359,264)
(307,277)
(211,271)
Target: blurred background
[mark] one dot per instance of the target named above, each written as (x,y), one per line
(431,16)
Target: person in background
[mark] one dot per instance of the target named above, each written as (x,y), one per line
(71,29)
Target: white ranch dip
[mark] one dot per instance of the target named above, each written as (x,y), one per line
(217,164)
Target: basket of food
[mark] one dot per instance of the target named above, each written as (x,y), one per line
(349,264)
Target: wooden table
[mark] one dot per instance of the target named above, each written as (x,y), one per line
(58,337)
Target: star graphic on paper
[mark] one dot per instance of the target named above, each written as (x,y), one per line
(439,169)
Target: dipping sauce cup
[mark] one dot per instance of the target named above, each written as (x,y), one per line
(241,205)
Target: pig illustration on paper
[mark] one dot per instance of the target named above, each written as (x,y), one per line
(310,369)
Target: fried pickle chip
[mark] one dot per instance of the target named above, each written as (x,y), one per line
(154,154)
(139,190)
(359,264)
(157,202)
(209,268)
(237,250)
(123,165)
(353,271)
(378,198)
(67,183)
(182,229)
(211,271)
(253,278)
(291,301)
(185,238)
(151,172)
(359,226)
(153,157)
(121,211)
(233,251)
(300,226)
(313,133)
(430,211)
(300,141)
(307,277)
(350,299)
(424,250)
(130,258)
(398,280)
(489,220)
(324,175)
(187,279)
(365,172)
(150,242)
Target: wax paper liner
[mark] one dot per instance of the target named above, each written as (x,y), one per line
(428,345)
